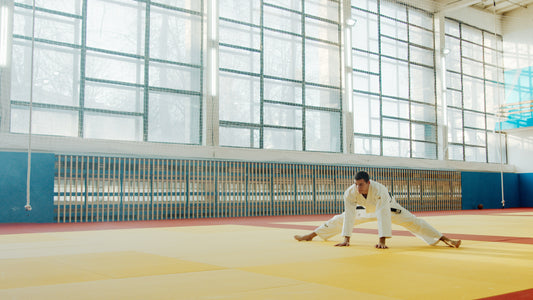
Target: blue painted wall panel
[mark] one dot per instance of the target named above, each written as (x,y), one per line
(526,189)
(485,188)
(13,173)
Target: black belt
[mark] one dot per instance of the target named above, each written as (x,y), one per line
(394,210)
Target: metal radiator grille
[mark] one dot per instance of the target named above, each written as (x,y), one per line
(100,189)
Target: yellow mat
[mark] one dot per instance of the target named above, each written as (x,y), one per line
(259,262)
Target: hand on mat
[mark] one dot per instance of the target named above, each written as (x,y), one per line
(381,244)
(343,244)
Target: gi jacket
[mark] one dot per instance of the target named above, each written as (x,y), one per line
(377,201)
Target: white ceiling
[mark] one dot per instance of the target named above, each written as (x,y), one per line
(502,6)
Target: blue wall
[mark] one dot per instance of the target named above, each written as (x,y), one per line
(477,188)
(526,189)
(13,173)
(485,188)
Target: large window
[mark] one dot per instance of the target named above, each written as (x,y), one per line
(136,70)
(393,80)
(474,91)
(280,80)
(120,70)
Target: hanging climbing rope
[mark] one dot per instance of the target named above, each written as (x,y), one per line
(27,207)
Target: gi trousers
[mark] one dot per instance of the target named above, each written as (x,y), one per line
(419,227)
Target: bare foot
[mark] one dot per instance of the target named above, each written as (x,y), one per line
(307,237)
(456,243)
(453,243)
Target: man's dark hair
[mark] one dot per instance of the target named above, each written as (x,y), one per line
(362,175)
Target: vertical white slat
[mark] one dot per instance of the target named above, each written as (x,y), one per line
(190,190)
(199,189)
(110,189)
(168,190)
(245,176)
(329,196)
(260,190)
(132,190)
(207,198)
(233,189)
(68,182)
(138,208)
(101,190)
(290,184)
(207,190)
(174,189)
(171,176)
(195,190)
(320,189)
(127,192)
(270,185)
(59,188)
(91,187)
(142,208)
(77,191)
(106,186)
(224,197)
(182,187)
(156,188)
(285,183)
(161,202)
(237,189)
(179,189)
(163,189)
(68,187)
(97,187)
(219,198)
(83,187)
(100,193)
(229,188)
(298,192)
(68,191)
(136,177)
(153,187)
(114,189)
(211,199)
(282,189)
(251,189)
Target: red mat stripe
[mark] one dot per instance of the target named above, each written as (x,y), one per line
(270,221)
(520,295)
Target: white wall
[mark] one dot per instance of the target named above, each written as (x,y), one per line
(518,53)
(518,38)
(79,146)
(520,148)
(476,18)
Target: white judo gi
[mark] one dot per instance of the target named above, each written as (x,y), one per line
(378,204)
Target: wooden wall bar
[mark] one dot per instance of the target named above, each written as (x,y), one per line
(102,189)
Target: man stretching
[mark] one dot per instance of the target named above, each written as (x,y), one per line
(379,206)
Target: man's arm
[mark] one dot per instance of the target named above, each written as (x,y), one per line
(383,214)
(349,217)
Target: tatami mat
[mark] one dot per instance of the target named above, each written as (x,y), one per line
(257,258)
